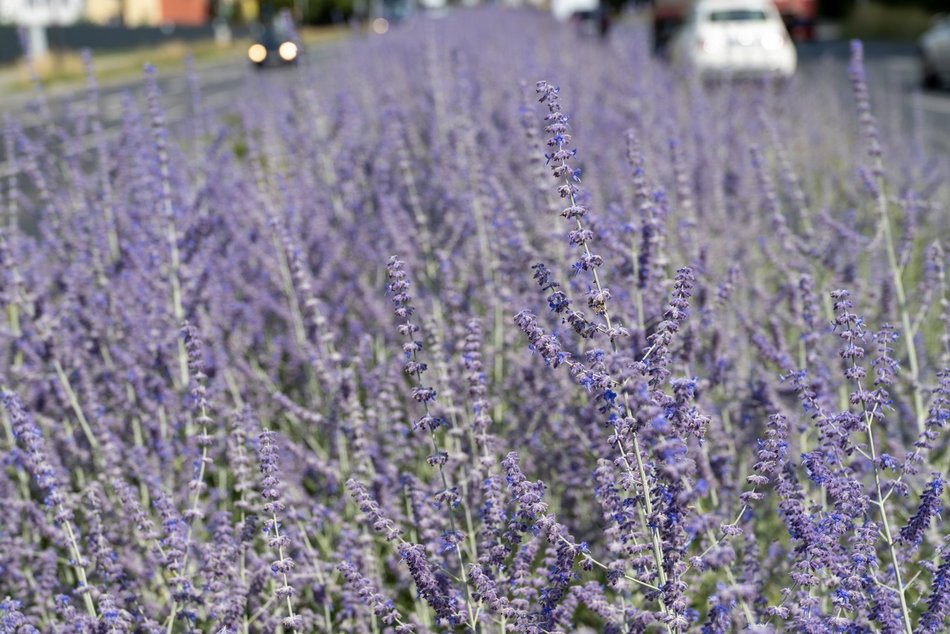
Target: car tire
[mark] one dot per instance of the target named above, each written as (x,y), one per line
(928,73)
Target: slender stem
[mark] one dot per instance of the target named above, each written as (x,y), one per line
(637,295)
(194,509)
(280,553)
(171,236)
(296,316)
(445,484)
(647,501)
(261,610)
(639,582)
(321,578)
(74,404)
(746,610)
(905,316)
(901,591)
(718,540)
(80,569)
(894,265)
(498,366)
(242,562)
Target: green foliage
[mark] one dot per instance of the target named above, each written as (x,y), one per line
(312,11)
(878,21)
(840,9)
(327,11)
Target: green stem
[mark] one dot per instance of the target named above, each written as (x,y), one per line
(445,484)
(74,404)
(80,569)
(914,368)
(888,536)
(194,510)
(638,455)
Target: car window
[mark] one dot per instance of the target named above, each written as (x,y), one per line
(274,34)
(737,15)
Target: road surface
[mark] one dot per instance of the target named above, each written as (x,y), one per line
(221,83)
(896,64)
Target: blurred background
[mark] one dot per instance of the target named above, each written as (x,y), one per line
(61,26)
(907,39)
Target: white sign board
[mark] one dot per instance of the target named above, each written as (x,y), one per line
(40,12)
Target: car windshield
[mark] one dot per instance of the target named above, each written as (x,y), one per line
(737,15)
(271,35)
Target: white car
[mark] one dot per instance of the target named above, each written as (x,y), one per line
(564,9)
(934,47)
(735,38)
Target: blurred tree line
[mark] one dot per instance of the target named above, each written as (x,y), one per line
(841,8)
(335,11)
(313,11)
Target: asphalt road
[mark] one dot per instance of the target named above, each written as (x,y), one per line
(896,63)
(889,66)
(219,85)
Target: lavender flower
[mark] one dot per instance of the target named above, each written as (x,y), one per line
(269,458)
(938,603)
(12,620)
(758,472)
(371,511)
(428,584)
(371,597)
(27,433)
(928,509)
(546,345)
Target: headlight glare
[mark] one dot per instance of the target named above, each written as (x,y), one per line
(287,51)
(257,53)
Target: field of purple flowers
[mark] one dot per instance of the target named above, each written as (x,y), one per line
(478,327)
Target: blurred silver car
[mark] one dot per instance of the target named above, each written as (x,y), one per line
(934,50)
(735,38)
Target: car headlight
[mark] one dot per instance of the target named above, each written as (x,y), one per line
(709,45)
(287,51)
(773,41)
(257,53)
